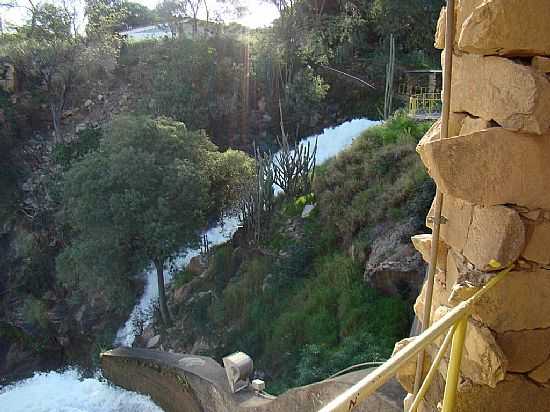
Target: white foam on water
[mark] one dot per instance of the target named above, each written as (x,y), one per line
(217,235)
(69,392)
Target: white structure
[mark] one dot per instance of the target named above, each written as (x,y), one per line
(147,33)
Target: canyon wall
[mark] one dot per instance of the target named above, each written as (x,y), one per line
(494,172)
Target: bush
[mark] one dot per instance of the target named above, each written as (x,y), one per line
(379,178)
(87,141)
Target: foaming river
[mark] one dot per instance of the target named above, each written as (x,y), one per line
(68,391)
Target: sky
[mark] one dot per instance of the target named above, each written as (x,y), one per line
(260,13)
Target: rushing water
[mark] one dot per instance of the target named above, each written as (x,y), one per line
(68,392)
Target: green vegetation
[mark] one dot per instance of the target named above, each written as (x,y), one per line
(146,193)
(398,186)
(83,212)
(297,302)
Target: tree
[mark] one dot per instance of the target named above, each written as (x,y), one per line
(149,190)
(136,15)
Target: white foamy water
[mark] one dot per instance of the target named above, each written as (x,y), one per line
(216,235)
(69,392)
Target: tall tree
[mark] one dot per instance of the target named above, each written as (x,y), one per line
(148,190)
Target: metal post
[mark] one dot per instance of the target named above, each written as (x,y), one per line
(453,370)
(433,370)
(446,109)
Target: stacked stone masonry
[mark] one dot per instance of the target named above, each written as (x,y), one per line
(494,172)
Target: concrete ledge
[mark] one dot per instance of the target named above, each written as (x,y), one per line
(189,383)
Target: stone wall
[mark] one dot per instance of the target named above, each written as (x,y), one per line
(494,171)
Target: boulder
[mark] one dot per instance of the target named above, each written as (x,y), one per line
(507,27)
(499,308)
(197,265)
(515,95)
(492,167)
(538,244)
(525,349)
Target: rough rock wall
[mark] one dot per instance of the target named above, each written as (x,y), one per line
(494,171)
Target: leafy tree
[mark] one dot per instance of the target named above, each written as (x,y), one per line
(137,15)
(147,192)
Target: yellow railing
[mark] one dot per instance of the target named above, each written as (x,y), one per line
(426,105)
(455,323)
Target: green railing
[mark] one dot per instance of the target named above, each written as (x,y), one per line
(425,105)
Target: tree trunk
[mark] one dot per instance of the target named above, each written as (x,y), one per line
(164,313)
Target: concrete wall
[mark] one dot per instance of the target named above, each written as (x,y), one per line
(188,383)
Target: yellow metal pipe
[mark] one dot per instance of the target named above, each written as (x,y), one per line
(453,370)
(355,395)
(445,113)
(433,370)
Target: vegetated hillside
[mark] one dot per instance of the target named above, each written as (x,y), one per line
(69,85)
(303,302)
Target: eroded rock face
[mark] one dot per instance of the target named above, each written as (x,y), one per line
(492,167)
(515,95)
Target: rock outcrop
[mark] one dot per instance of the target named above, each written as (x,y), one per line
(493,170)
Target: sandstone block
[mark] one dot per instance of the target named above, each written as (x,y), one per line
(542,64)
(526,349)
(463,10)
(440,297)
(538,244)
(473,124)
(458,214)
(519,302)
(542,373)
(423,243)
(507,27)
(514,95)
(496,233)
(484,362)
(492,167)
(482,234)
(514,393)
